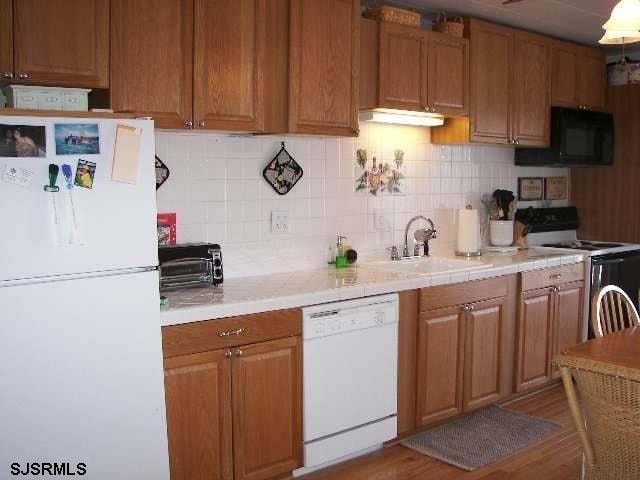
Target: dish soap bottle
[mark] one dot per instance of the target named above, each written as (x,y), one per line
(341,252)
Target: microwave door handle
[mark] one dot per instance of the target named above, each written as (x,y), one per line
(597,145)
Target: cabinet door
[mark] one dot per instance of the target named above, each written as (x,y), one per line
(448,77)
(535,328)
(440,365)
(483,348)
(324,64)
(198,397)
(6,41)
(152,59)
(568,323)
(592,81)
(403,67)
(531,89)
(491,68)
(564,86)
(228,51)
(62,43)
(267,409)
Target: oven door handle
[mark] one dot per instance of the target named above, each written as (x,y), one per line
(608,262)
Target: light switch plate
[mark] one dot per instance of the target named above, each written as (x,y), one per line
(279,221)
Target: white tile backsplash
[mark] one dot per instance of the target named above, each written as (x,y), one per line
(218,193)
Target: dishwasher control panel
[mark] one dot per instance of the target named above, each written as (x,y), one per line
(348,318)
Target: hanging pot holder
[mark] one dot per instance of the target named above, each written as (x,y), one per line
(162,172)
(283,172)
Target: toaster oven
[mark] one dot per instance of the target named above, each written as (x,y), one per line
(190,265)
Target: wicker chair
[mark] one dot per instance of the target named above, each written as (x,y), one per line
(612,310)
(607,419)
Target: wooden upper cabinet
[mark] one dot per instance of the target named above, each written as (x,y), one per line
(324,64)
(535,330)
(440,365)
(62,43)
(6,41)
(579,77)
(491,76)
(448,74)
(403,67)
(152,59)
(267,409)
(483,353)
(531,89)
(564,84)
(592,80)
(228,58)
(198,399)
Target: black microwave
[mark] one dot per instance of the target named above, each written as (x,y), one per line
(578,137)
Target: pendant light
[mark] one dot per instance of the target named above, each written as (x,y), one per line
(624,24)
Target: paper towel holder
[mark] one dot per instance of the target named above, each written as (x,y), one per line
(471,254)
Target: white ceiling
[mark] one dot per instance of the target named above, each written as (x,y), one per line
(577,20)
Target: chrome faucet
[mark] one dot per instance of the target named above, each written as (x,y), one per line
(426,235)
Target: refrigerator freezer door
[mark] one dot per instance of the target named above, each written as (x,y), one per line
(81,376)
(116,221)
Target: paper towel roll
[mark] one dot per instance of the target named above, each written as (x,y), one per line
(468,232)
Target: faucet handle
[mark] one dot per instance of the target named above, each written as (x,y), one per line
(431,233)
(340,239)
(394,252)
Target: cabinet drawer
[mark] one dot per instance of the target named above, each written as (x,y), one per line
(460,293)
(50,100)
(230,332)
(25,100)
(551,276)
(75,102)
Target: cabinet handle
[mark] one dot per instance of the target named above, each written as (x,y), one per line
(555,275)
(201,123)
(229,333)
(8,75)
(517,141)
(238,353)
(188,124)
(22,76)
(555,289)
(227,354)
(467,308)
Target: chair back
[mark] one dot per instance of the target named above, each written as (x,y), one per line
(612,310)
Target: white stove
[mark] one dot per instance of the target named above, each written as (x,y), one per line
(605,263)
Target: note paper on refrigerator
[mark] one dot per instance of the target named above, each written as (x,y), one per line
(126,155)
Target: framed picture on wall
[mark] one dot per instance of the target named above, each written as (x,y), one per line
(530,188)
(556,188)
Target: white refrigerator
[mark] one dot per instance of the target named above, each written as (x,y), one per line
(81,378)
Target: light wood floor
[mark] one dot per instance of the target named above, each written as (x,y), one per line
(556,457)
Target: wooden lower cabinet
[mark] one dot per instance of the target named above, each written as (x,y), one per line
(482,356)
(235,414)
(267,409)
(440,365)
(534,339)
(198,398)
(464,350)
(568,325)
(549,321)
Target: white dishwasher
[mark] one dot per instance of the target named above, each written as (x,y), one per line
(350,370)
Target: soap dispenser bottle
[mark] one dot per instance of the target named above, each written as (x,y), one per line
(341,253)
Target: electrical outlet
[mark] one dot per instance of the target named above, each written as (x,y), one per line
(279,221)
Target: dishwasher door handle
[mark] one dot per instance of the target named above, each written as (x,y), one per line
(330,313)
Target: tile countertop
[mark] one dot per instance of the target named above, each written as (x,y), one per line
(242,296)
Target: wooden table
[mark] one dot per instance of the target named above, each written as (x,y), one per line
(607,373)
